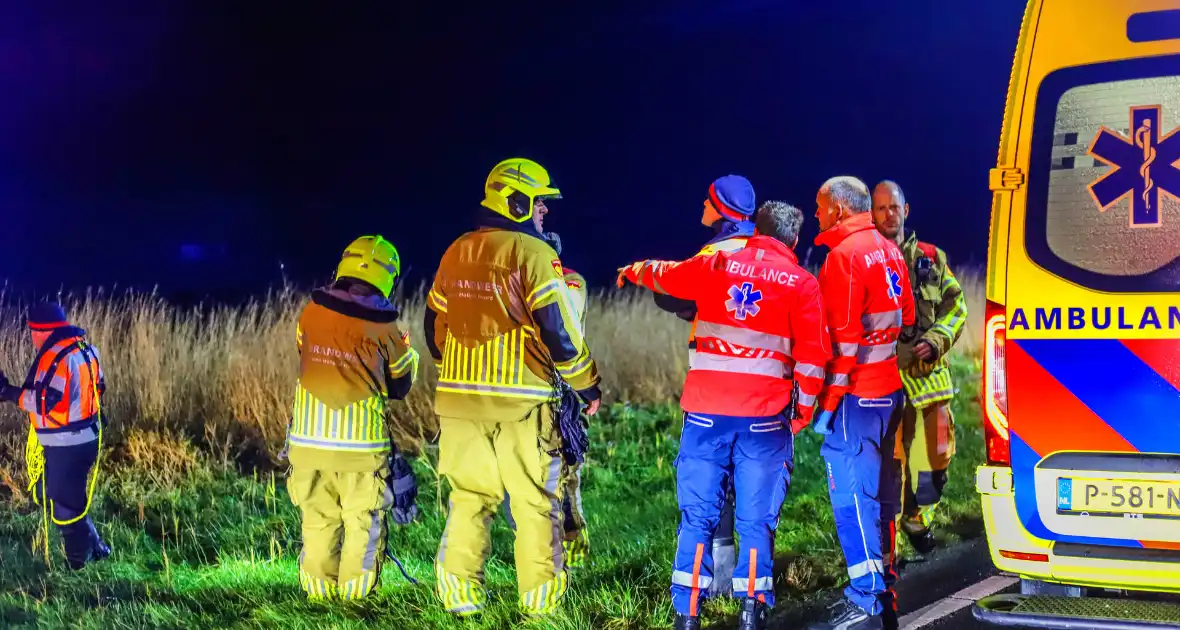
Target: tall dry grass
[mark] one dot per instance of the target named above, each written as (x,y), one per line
(221,379)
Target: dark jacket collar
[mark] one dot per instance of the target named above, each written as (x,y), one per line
(726,229)
(372,308)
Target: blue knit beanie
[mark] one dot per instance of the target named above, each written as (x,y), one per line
(46,316)
(733,197)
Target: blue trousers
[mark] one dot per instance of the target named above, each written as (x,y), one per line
(757,454)
(864,482)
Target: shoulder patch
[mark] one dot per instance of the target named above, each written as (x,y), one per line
(557,267)
(405,337)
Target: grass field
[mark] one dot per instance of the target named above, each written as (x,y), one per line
(193,501)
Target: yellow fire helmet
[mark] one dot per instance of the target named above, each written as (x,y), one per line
(371,259)
(517,175)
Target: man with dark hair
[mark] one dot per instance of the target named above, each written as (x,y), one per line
(754,374)
(867,295)
(926,440)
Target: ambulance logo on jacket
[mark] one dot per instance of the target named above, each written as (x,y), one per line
(894,284)
(743,300)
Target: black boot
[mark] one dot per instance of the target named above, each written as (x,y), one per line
(98,549)
(754,615)
(685,622)
(75,537)
(923,542)
(845,615)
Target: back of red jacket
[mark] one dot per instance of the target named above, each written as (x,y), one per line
(866,289)
(760,328)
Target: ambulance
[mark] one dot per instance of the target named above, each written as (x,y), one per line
(1081,370)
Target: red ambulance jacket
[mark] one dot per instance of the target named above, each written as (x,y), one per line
(866,288)
(760,328)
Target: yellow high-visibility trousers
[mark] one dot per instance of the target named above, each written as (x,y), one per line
(925,447)
(482,459)
(343,523)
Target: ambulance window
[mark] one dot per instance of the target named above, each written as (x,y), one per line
(1104,183)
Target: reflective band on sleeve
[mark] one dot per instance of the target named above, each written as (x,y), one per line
(839,380)
(807,369)
(846,349)
(881,321)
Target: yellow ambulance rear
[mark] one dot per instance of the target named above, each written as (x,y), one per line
(1081,383)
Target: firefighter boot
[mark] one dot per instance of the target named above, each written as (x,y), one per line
(686,622)
(754,615)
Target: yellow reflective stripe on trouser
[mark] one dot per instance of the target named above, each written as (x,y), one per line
(459,596)
(315,588)
(545,599)
(483,458)
(342,518)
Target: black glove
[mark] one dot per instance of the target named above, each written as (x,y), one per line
(8,391)
(405,490)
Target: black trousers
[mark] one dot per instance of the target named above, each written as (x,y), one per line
(64,483)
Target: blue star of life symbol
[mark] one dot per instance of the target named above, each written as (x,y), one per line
(743,300)
(894,288)
(1144,165)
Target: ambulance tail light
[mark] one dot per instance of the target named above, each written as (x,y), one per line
(995,387)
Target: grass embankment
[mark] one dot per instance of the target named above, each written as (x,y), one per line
(205,536)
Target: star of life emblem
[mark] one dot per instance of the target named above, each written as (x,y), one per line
(743,300)
(1143,166)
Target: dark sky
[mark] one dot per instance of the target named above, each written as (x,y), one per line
(255,133)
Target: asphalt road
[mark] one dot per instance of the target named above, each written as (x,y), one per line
(924,587)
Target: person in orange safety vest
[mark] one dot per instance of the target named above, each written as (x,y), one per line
(62,395)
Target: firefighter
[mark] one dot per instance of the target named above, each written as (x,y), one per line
(926,440)
(62,394)
(867,294)
(577,539)
(502,329)
(758,365)
(346,473)
(728,209)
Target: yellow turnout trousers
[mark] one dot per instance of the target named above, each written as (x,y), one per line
(925,446)
(343,516)
(482,459)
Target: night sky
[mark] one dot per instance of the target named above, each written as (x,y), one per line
(199,145)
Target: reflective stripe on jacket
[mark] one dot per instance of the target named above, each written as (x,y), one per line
(760,329)
(501,326)
(867,292)
(63,389)
(352,359)
(941,313)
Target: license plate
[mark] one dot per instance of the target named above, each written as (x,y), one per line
(1118,497)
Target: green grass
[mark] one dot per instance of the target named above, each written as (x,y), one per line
(211,549)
